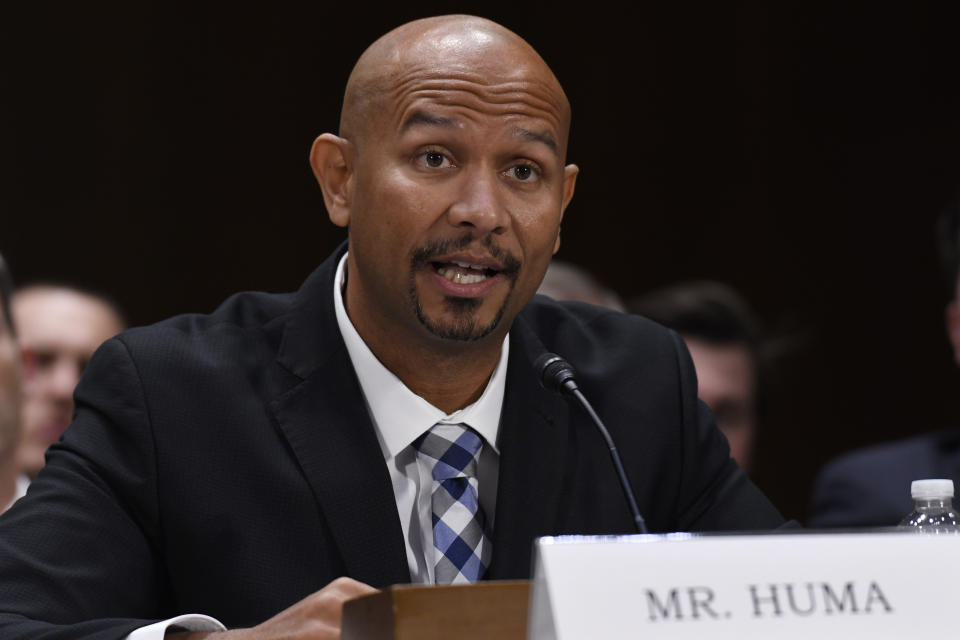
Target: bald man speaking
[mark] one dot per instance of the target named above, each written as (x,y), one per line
(385,423)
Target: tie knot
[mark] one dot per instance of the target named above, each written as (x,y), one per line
(454,449)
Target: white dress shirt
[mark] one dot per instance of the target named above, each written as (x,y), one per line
(399,417)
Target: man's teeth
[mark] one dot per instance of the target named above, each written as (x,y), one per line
(456,274)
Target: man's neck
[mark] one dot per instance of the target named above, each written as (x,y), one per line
(8,481)
(450,377)
(449,374)
(447,382)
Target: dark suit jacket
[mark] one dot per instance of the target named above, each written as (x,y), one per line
(226,464)
(870,487)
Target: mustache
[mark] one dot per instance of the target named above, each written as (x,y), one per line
(425,254)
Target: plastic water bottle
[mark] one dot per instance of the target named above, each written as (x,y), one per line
(933,510)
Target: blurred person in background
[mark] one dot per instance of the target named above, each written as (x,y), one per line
(567,281)
(12,484)
(870,487)
(723,336)
(59,328)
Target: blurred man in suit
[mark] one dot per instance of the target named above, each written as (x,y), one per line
(870,487)
(59,329)
(723,336)
(289,451)
(12,483)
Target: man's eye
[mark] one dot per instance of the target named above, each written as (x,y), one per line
(434,159)
(523,172)
(44,359)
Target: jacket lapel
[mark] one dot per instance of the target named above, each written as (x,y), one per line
(534,431)
(325,420)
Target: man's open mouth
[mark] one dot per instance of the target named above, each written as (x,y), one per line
(463,272)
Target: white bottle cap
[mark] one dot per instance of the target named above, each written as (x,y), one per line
(931,489)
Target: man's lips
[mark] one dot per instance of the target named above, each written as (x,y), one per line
(466,270)
(462,275)
(460,270)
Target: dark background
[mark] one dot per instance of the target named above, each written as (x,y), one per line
(158,151)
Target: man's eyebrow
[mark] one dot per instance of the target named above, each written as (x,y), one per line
(534,136)
(422,118)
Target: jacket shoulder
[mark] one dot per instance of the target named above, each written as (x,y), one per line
(245,328)
(912,455)
(596,332)
(244,311)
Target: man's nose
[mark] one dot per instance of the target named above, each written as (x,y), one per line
(480,204)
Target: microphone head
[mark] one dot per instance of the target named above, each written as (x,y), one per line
(555,373)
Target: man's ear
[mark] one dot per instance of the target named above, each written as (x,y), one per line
(569,182)
(952,317)
(332,160)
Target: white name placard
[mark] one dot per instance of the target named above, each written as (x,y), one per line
(887,584)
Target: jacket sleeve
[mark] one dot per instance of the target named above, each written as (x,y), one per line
(715,493)
(80,553)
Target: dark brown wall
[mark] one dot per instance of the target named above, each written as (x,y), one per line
(157,150)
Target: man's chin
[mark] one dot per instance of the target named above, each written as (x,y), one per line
(461,320)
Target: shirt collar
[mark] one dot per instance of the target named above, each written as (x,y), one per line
(399,415)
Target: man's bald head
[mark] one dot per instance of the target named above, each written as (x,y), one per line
(446,47)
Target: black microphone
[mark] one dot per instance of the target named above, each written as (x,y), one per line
(556,374)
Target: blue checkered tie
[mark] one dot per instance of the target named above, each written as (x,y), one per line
(463,548)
